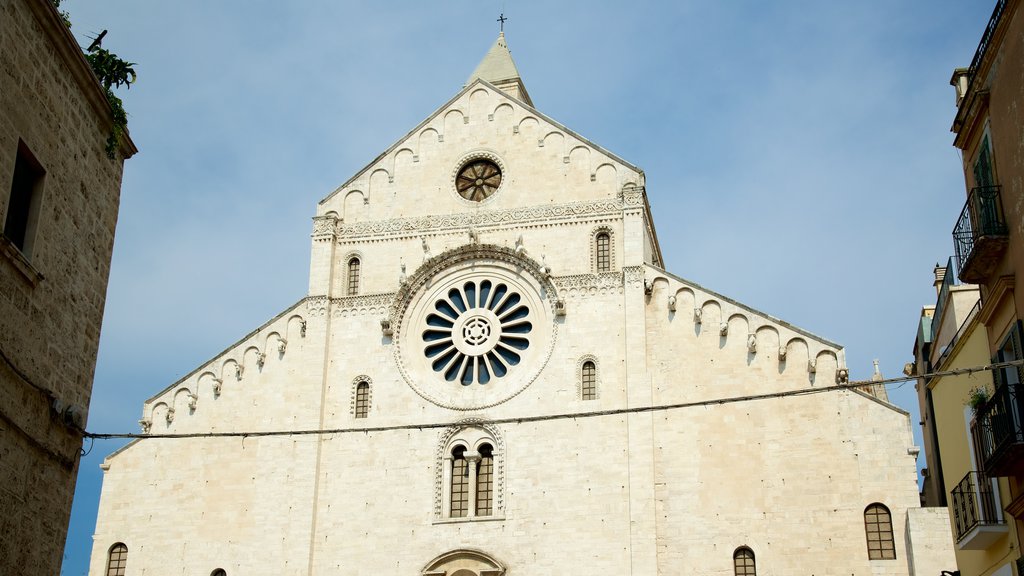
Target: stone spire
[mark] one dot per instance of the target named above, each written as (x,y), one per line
(498,68)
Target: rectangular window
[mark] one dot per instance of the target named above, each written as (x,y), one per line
(23,204)
(484,480)
(460,487)
(1012,349)
(604,259)
(589,381)
(362,400)
(983,175)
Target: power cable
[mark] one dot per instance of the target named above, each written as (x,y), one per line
(565,416)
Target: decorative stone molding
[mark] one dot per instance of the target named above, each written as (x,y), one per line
(560,307)
(587,281)
(239,369)
(416,226)
(634,275)
(723,329)
(282,345)
(146,425)
(316,306)
(369,304)
(385,327)
(632,196)
(752,343)
(783,350)
(218,384)
(193,401)
(261,359)
(812,366)
(325,228)
(452,562)
(842,376)
(698,315)
(170,414)
(672,303)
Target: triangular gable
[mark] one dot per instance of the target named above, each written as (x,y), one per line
(444,107)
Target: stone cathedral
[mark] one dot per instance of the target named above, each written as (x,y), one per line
(494,374)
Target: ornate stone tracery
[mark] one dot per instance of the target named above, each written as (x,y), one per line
(417,303)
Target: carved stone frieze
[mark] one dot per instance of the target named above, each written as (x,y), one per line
(377,304)
(634,274)
(325,227)
(442,222)
(316,306)
(583,284)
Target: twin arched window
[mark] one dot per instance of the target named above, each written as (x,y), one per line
(117,558)
(472,481)
(743,562)
(353,277)
(878,528)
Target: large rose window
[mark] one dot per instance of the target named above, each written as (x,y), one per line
(477,332)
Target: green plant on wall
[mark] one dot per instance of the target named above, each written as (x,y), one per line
(113,72)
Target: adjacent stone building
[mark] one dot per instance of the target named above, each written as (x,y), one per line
(58,208)
(493,373)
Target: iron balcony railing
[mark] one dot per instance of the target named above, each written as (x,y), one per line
(998,433)
(981,222)
(974,504)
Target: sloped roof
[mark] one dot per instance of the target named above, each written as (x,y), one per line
(497,64)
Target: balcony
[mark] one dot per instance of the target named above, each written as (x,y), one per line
(976,517)
(998,434)
(980,236)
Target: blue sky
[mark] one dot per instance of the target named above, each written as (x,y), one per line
(797,153)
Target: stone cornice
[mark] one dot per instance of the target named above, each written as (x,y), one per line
(417,226)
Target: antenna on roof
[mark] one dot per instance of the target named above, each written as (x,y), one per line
(502,19)
(96,41)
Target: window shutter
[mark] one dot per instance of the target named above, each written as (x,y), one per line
(997,374)
(1016,338)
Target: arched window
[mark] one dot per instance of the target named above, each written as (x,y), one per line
(878,527)
(485,481)
(353,276)
(743,562)
(470,479)
(362,399)
(219,572)
(460,483)
(588,381)
(117,558)
(602,251)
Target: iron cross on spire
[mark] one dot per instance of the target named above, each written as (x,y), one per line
(501,19)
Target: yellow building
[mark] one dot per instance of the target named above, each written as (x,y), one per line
(951,336)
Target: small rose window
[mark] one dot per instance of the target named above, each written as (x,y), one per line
(477,332)
(478,179)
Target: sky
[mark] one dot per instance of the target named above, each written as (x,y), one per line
(797,154)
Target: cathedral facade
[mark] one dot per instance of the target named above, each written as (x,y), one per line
(492,374)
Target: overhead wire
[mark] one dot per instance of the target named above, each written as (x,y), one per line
(564,415)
